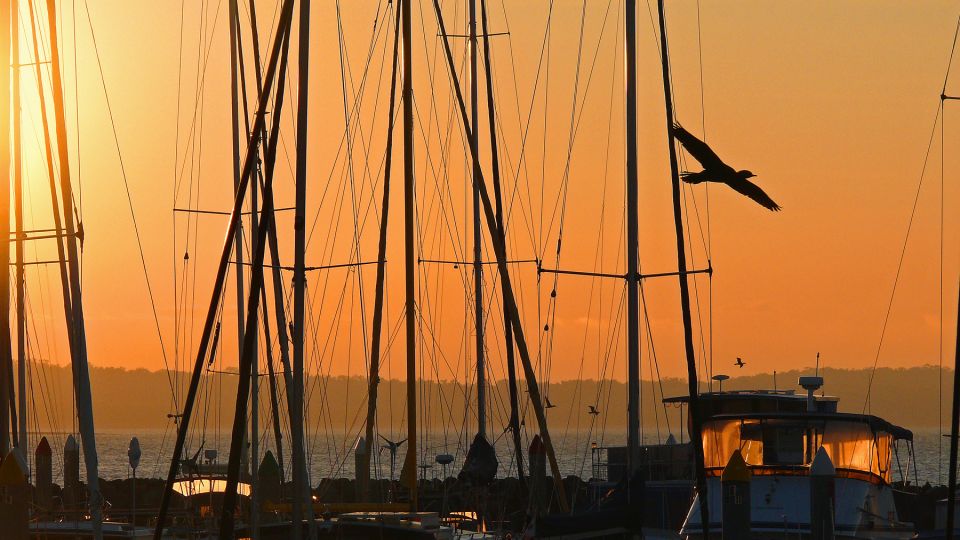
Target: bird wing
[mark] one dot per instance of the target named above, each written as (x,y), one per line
(697,148)
(748,188)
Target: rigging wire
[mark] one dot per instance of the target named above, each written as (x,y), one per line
(903,253)
(126,185)
(943,128)
(938,117)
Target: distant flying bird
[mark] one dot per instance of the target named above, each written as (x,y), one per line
(549,405)
(592,410)
(739,363)
(715,170)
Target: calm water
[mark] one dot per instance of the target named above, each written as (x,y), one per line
(331,455)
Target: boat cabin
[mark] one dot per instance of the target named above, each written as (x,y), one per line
(860,446)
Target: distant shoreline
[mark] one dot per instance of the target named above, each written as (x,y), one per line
(140,399)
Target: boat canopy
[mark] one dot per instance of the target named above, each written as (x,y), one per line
(857,444)
(200,486)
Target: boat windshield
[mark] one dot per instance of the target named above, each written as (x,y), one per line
(200,486)
(788,443)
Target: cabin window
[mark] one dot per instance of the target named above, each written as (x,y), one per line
(781,442)
(778,442)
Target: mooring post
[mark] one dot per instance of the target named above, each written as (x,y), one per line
(14,498)
(822,478)
(71,472)
(270,481)
(43,459)
(735,484)
(537,457)
(361,468)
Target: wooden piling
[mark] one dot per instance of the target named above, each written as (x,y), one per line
(269,485)
(822,478)
(735,484)
(71,472)
(14,498)
(537,457)
(43,457)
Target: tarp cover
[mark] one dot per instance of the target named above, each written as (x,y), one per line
(480,466)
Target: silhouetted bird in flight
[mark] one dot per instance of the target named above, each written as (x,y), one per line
(592,410)
(739,363)
(715,170)
(549,405)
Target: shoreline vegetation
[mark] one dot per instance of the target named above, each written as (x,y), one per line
(142,399)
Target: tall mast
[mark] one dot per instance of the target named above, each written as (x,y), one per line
(377,328)
(408,222)
(301,480)
(247,351)
(18,211)
(235,149)
(255,373)
(81,369)
(52,179)
(501,225)
(6,385)
(692,389)
(186,414)
(238,242)
(509,299)
(954,425)
(477,238)
(279,298)
(633,256)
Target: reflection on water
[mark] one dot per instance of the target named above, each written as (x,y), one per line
(331,454)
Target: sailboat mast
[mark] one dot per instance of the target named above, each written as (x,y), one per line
(18,217)
(509,299)
(51,176)
(219,282)
(633,245)
(954,432)
(255,373)
(477,232)
(302,503)
(235,148)
(247,351)
(282,336)
(238,243)
(514,422)
(81,369)
(377,327)
(410,262)
(6,385)
(692,388)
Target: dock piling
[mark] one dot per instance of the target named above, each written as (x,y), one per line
(735,484)
(822,478)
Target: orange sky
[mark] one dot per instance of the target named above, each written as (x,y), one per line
(830,103)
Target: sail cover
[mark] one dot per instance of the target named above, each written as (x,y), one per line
(480,466)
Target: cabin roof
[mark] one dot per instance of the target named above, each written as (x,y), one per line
(752,394)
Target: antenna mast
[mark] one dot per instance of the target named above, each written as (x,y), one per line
(692,388)
(477,238)
(495,170)
(408,223)
(633,257)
